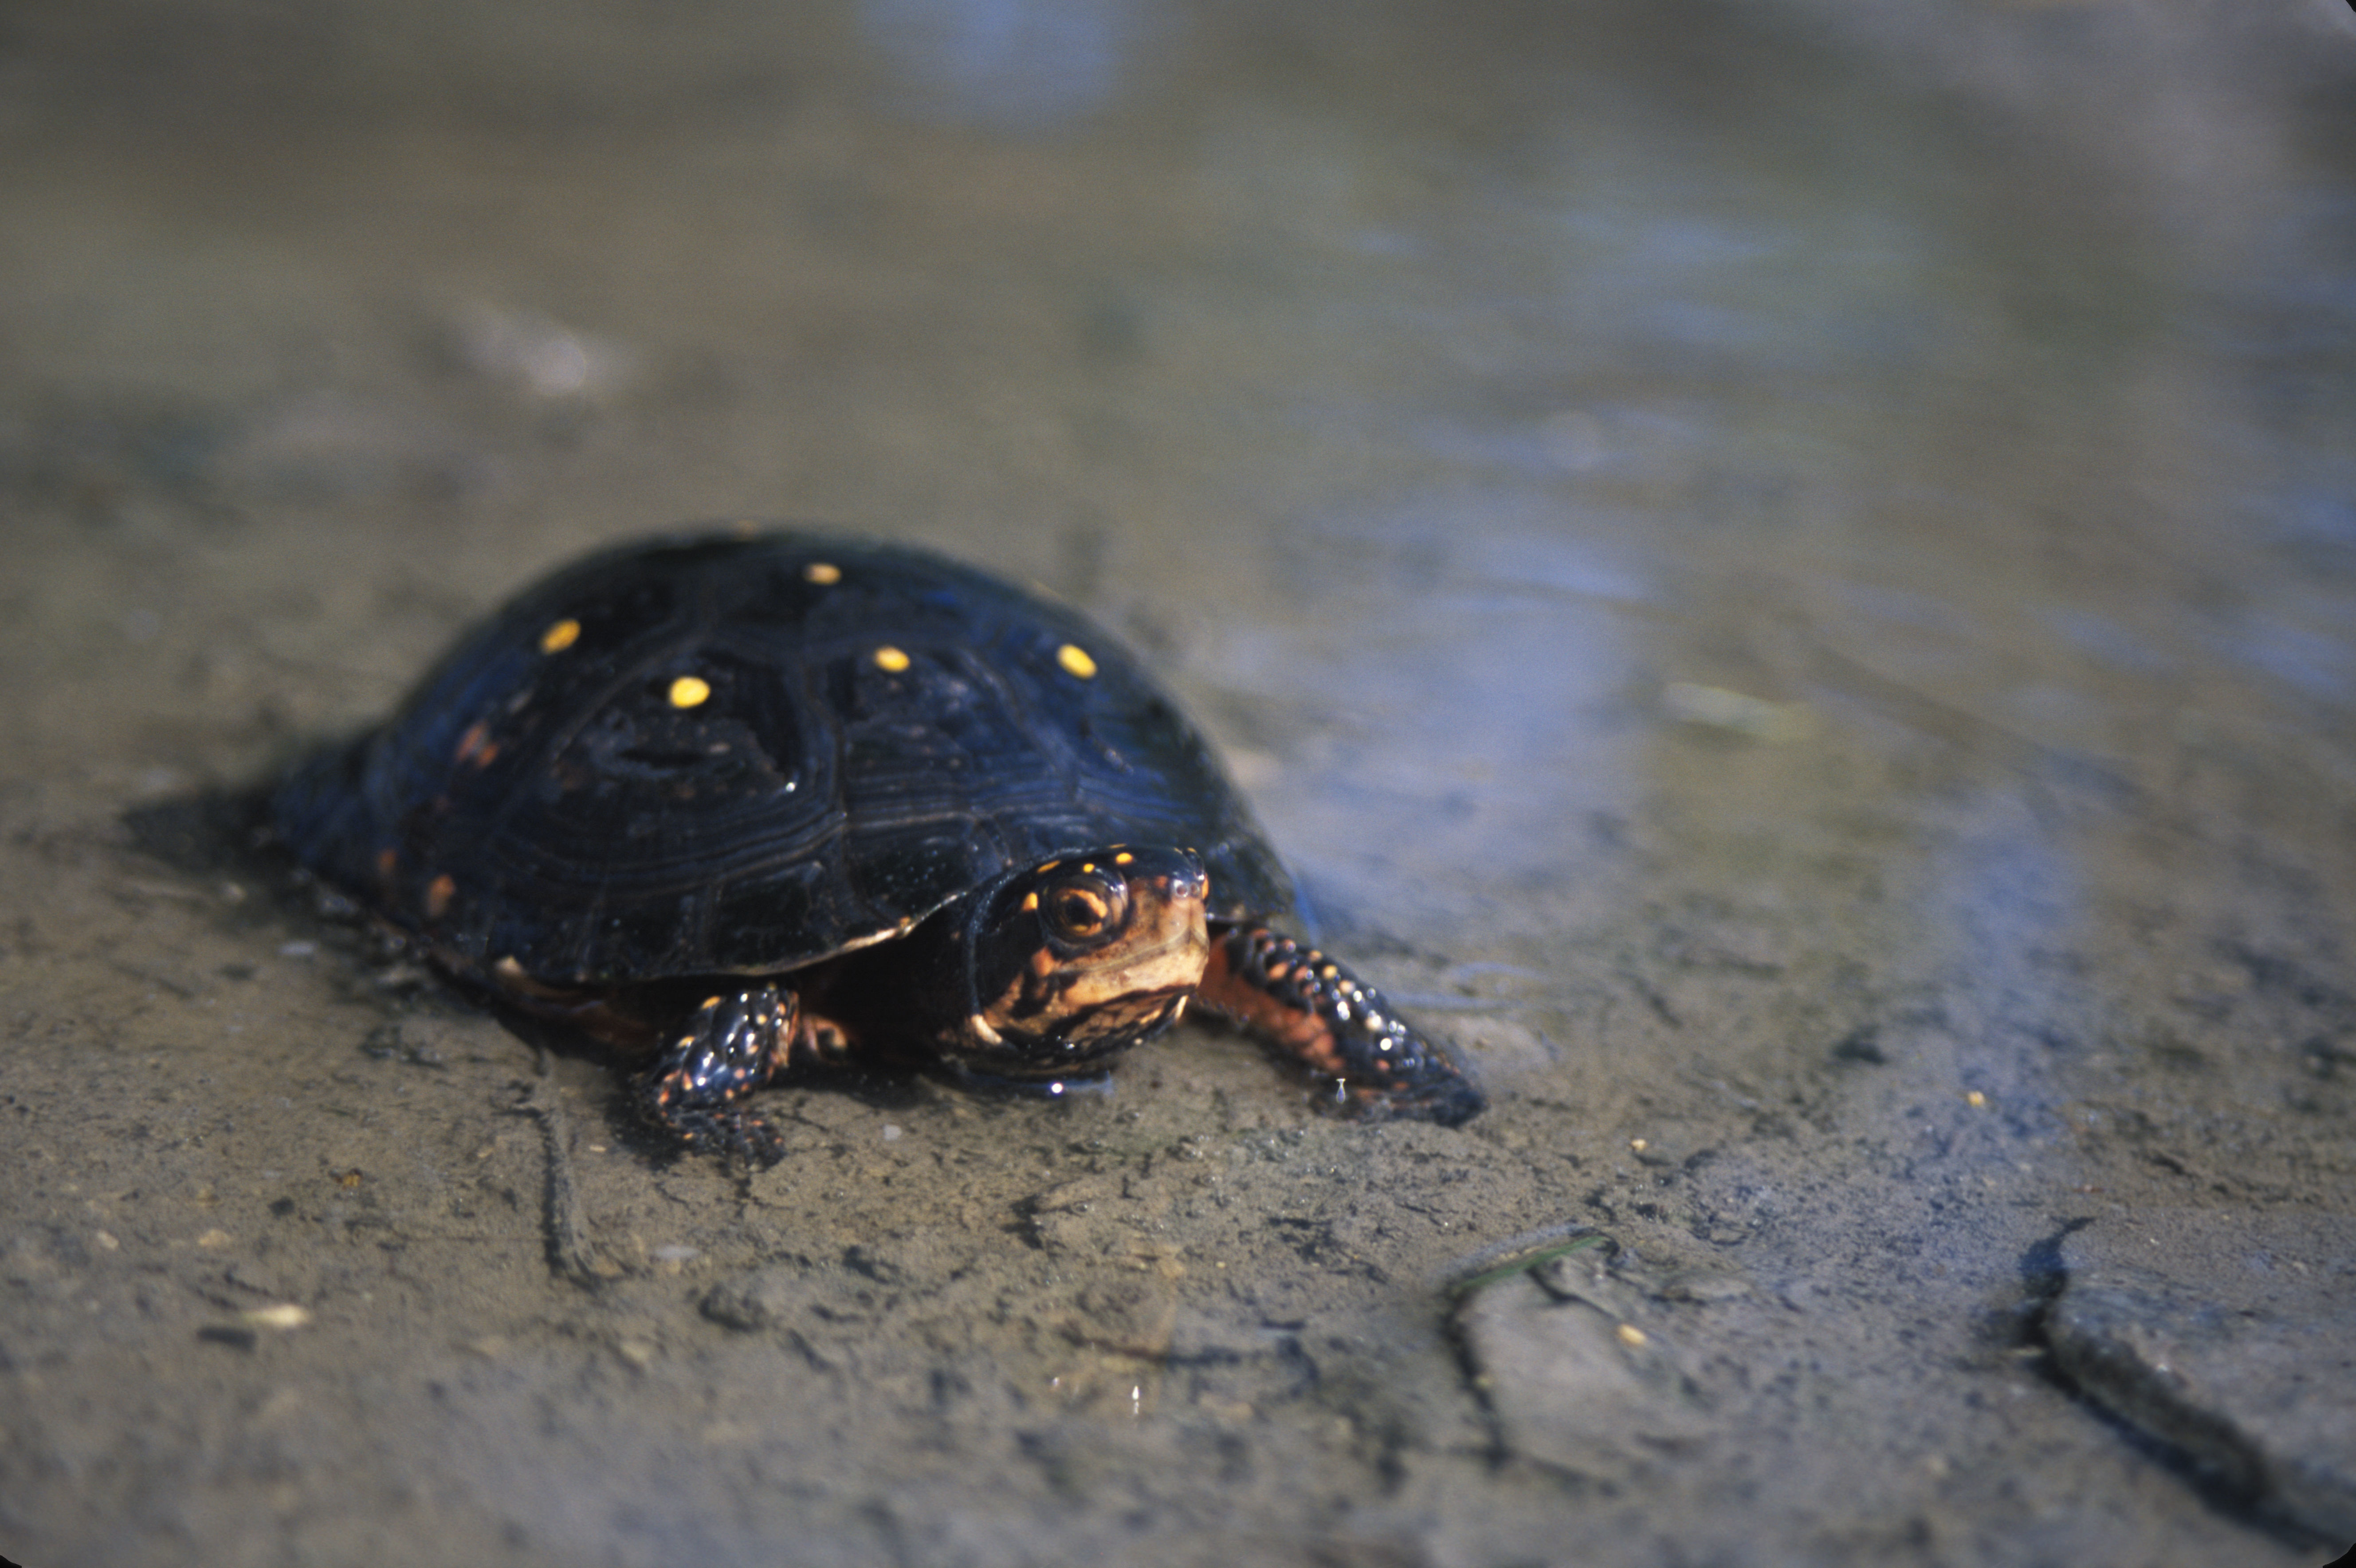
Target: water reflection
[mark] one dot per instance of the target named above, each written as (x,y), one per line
(1013,64)
(2005,904)
(1484,645)
(2318,664)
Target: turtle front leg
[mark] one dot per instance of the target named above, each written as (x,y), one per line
(733,1046)
(1307,1007)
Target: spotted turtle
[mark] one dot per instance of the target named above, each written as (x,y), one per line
(743,803)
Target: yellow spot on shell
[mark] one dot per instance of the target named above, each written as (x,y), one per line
(560,636)
(891,660)
(689,692)
(438,894)
(1075,661)
(822,573)
(1975,1100)
(1031,900)
(1633,1336)
(1123,858)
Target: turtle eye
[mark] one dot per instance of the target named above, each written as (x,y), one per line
(1084,907)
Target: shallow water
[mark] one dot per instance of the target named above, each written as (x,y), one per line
(1787,579)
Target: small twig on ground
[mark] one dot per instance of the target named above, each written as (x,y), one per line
(569,1253)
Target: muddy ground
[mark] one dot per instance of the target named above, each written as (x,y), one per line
(1785,579)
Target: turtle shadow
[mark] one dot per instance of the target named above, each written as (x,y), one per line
(223,840)
(209,836)
(879,1086)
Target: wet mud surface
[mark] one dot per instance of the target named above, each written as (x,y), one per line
(1786,582)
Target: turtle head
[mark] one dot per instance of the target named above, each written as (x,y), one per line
(1072,962)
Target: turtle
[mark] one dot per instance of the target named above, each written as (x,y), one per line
(746,802)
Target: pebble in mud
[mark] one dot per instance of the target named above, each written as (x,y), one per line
(1578,1368)
(2226,1336)
(769,1298)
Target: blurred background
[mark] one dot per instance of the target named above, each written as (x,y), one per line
(1441,394)
(1770,561)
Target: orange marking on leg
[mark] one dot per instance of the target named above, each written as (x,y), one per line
(1296,1031)
(819,1041)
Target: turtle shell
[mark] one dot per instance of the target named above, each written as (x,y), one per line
(745,753)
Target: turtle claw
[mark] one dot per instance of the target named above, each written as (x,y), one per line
(1441,1094)
(733,1046)
(746,1134)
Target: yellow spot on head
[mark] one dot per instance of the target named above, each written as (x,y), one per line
(1031,899)
(1123,858)
(1633,1336)
(1049,866)
(822,572)
(560,636)
(889,660)
(1975,1100)
(690,691)
(1088,865)
(1075,661)
(438,894)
